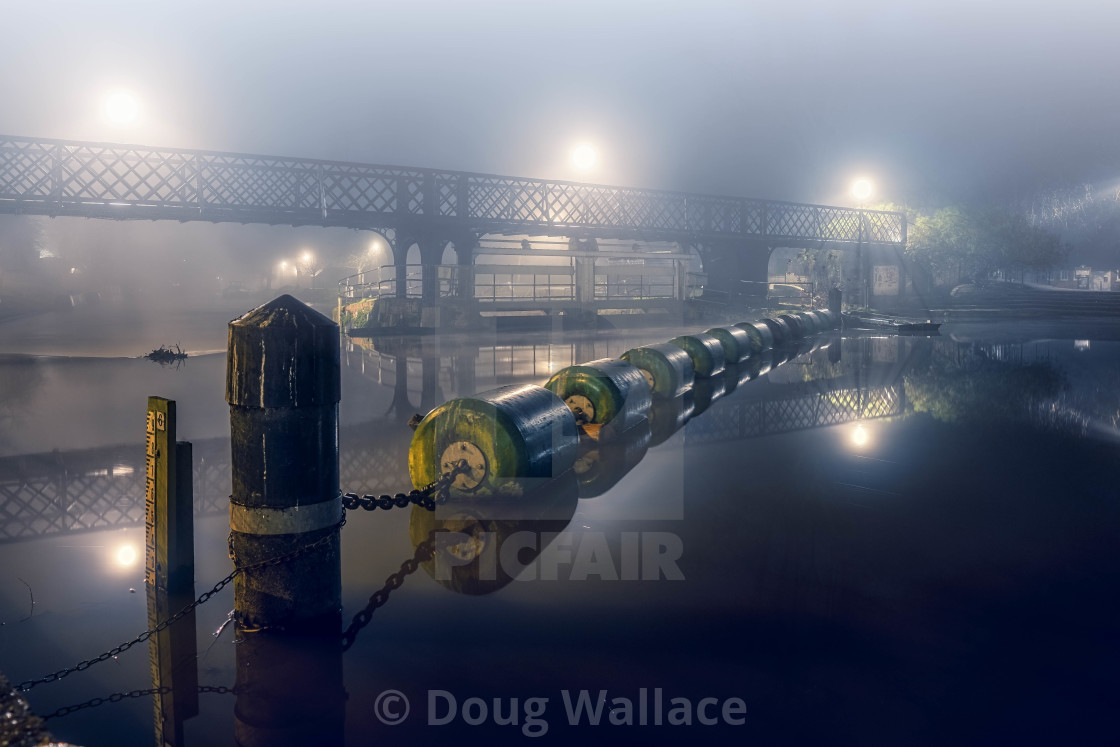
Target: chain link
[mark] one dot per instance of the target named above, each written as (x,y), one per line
(118,697)
(424,552)
(202,599)
(429,497)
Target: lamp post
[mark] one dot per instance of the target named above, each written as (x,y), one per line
(861,190)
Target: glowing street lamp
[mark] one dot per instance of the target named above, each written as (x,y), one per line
(585,157)
(121,108)
(862,189)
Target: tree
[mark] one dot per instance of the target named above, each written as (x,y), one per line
(957,242)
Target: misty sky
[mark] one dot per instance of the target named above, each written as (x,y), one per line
(942,100)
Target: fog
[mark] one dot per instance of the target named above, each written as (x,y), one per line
(935,100)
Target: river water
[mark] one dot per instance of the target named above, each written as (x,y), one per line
(882,540)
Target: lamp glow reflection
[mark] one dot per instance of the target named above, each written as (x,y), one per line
(859,435)
(126,555)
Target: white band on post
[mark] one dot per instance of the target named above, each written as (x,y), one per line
(294,520)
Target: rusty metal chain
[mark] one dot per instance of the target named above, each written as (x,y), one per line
(202,599)
(429,497)
(424,552)
(118,697)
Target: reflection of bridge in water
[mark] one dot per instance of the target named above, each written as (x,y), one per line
(103,488)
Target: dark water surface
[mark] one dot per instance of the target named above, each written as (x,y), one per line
(881,541)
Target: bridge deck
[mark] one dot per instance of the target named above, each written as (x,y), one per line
(103,180)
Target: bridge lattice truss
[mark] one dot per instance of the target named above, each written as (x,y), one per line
(55,177)
(63,493)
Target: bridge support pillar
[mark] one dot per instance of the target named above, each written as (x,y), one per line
(465,249)
(431,254)
(400,266)
(738,270)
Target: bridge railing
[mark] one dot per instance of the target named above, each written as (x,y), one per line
(56,177)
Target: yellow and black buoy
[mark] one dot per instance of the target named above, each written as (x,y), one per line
(704,350)
(823,325)
(761,338)
(796,326)
(607,396)
(666,368)
(831,319)
(513,438)
(809,322)
(781,332)
(735,341)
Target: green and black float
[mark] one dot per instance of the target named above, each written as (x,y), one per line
(705,392)
(760,336)
(820,320)
(666,368)
(783,335)
(812,326)
(704,350)
(608,393)
(735,341)
(513,438)
(797,327)
(667,416)
(600,465)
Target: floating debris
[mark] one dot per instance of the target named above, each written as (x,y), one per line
(165,355)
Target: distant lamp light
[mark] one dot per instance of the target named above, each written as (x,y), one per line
(862,189)
(284,265)
(121,108)
(859,435)
(306,256)
(585,157)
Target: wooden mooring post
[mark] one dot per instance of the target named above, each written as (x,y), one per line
(283,385)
